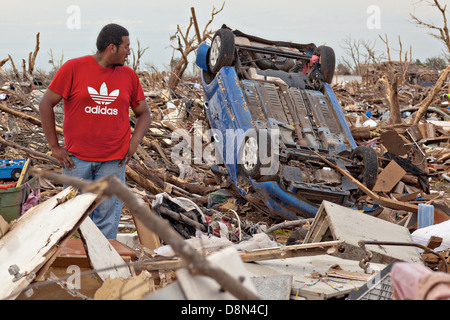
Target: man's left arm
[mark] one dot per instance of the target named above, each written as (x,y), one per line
(143,120)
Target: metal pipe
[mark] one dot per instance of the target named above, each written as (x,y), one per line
(280,53)
(414,140)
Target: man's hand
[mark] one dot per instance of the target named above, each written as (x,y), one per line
(131,150)
(143,120)
(63,156)
(48,102)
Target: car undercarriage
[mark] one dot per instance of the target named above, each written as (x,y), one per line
(278,94)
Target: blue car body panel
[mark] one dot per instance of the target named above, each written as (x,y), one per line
(227,109)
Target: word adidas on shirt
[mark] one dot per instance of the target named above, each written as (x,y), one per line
(102,98)
(101,110)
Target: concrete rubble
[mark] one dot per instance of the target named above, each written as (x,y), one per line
(341,253)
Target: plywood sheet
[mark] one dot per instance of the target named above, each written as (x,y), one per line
(304,286)
(35,234)
(351,226)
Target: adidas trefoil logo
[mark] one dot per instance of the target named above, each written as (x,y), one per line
(103,98)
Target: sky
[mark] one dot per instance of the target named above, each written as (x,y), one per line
(69,29)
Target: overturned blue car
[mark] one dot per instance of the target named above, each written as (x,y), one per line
(278,125)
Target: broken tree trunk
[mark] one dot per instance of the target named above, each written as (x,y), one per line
(429,99)
(371,132)
(193,188)
(392,95)
(197,263)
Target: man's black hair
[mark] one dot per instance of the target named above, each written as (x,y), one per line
(111,33)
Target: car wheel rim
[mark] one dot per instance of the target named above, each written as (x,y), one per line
(215,51)
(250,154)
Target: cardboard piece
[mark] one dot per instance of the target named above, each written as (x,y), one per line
(389,177)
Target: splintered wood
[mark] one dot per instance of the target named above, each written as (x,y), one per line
(35,237)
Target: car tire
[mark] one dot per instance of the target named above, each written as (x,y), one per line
(208,77)
(368,158)
(221,52)
(248,157)
(327,62)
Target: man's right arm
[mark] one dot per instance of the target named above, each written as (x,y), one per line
(48,102)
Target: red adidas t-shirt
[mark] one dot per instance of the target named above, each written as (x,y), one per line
(96,107)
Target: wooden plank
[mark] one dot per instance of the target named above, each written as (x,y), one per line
(377,199)
(147,237)
(389,177)
(104,258)
(24,174)
(409,197)
(338,272)
(35,235)
(284,252)
(309,249)
(395,204)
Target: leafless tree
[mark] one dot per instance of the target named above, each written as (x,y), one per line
(137,56)
(439,32)
(358,54)
(56,64)
(395,76)
(187,44)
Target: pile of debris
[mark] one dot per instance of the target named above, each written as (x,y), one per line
(339,253)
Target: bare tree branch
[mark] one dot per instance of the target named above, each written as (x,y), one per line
(186,45)
(442,31)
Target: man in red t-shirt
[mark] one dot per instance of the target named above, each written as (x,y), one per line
(97,92)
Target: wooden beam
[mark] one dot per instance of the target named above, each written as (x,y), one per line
(24,174)
(197,31)
(394,204)
(309,249)
(300,250)
(104,258)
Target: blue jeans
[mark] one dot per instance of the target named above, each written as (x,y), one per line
(107,214)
